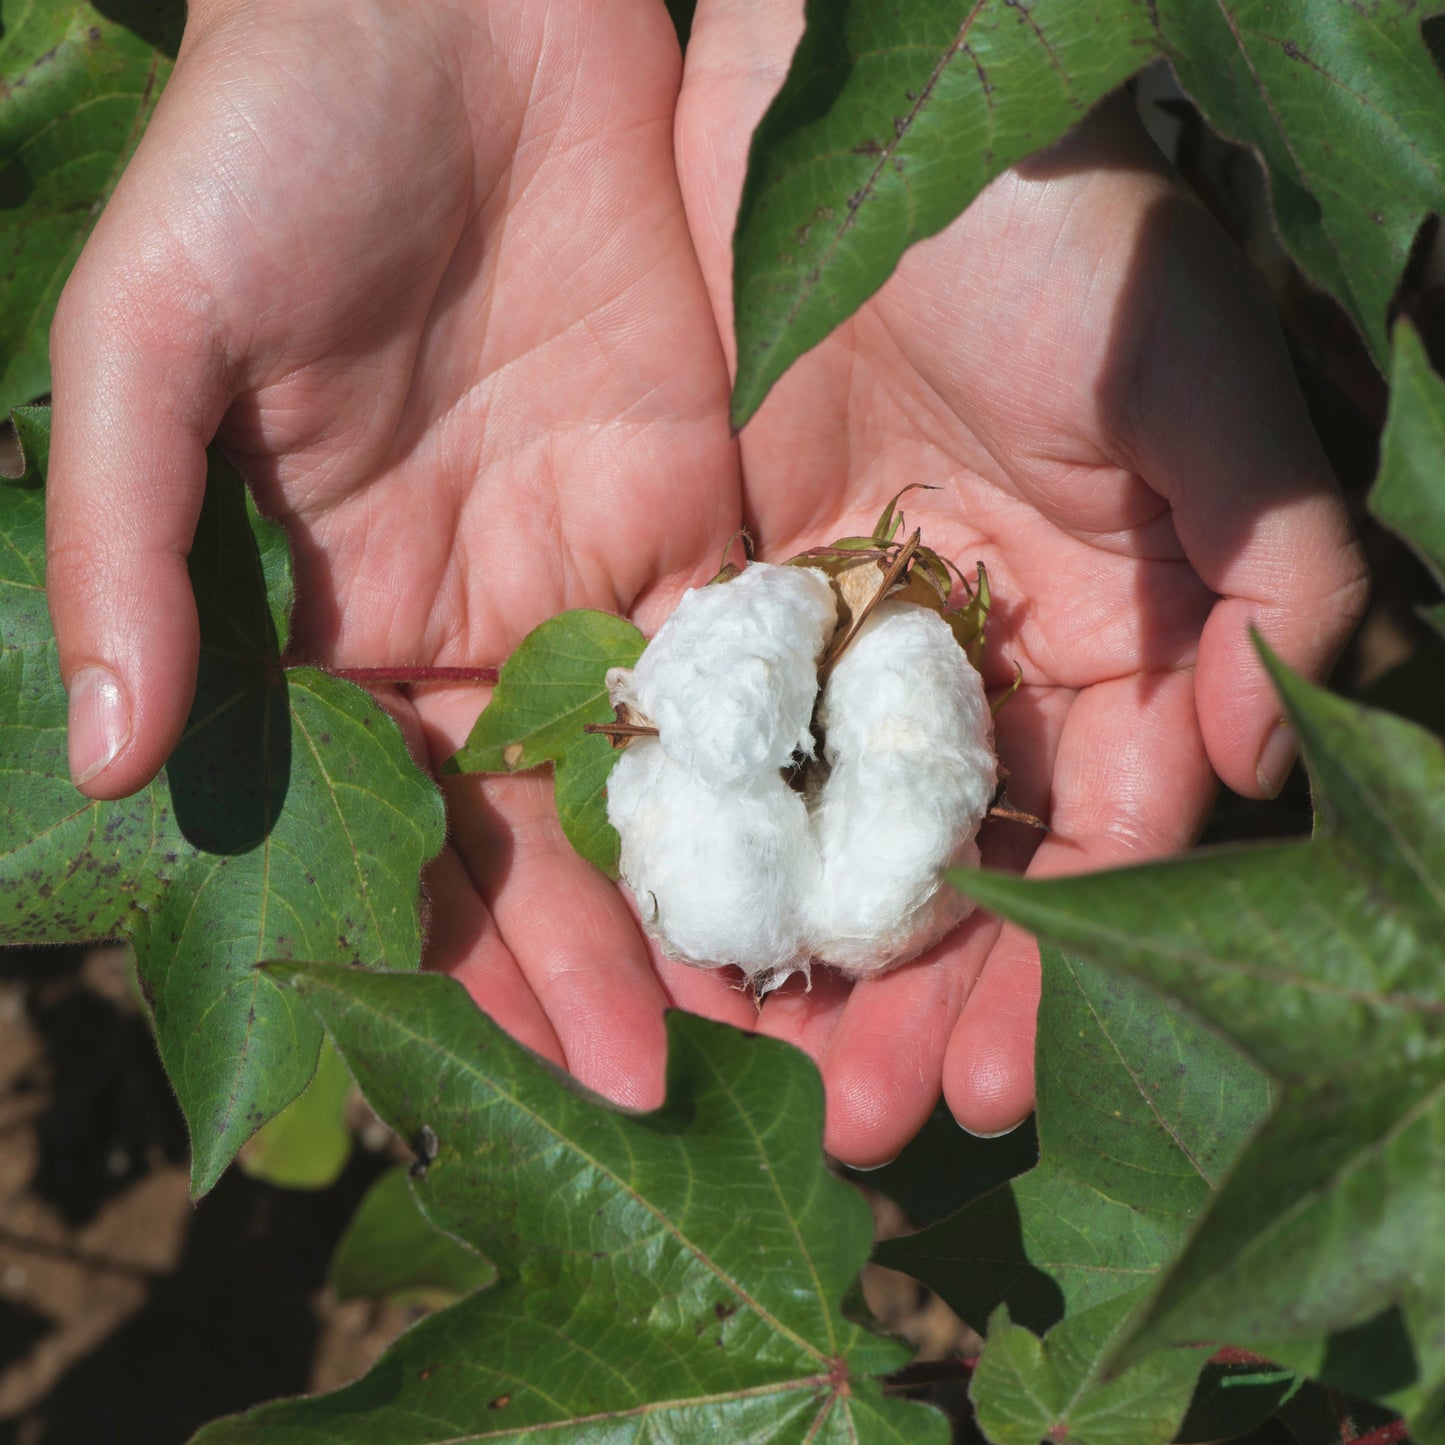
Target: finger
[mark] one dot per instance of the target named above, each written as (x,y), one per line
(719,994)
(1131,781)
(138,388)
(464,942)
(884,1060)
(884,1057)
(804,1013)
(569,931)
(1217,426)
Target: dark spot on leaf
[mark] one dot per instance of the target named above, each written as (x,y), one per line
(723,1310)
(500,1403)
(424,1150)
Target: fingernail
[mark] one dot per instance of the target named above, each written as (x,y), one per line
(99,722)
(872,1168)
(997,1133)
(1276,760)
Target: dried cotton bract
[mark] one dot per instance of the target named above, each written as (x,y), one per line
(728,862)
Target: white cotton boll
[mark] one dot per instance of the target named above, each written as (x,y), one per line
(909,736)
(731,676)
(718,873)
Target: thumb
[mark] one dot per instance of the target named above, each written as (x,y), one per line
(138,389)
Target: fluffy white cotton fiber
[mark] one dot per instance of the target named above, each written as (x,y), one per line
(909,738)
(719,874)
(730,865)
(730,677)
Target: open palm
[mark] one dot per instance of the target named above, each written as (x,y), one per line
(1093,381)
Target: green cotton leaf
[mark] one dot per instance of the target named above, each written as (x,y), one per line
(307,1144)
(1026,1390)
(550,688)
(892,119)
(1325,962)
(1408,495)
(289,821)
(676,1275)
(1140,1112)
(77,86)
(390,1250)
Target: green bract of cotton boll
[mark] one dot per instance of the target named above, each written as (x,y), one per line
(729,861)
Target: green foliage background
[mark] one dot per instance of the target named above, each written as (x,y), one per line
(1241,1109)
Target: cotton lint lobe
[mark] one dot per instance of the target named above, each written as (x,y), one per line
(731,676)
(909,736)
(727,862)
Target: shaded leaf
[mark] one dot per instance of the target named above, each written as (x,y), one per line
(1139,1113)
(1325,961)
(390,1249)
(892,119)
(1233,1399)
(307,1144)
(78,83)
(289,820)
(672,1275)
(944,1167)
(549,689)
(1026,1390)
(1408,495)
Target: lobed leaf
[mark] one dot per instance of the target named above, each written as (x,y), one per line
(1026,1390)
(289,820)
(78,83)
(1140,1112)
(549,689)
(676,1275)
(1323,960)
(891,120)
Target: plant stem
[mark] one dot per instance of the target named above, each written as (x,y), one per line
(368,676)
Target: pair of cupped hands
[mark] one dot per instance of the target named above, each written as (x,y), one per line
(451,282)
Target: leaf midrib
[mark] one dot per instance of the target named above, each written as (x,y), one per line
(573,1146)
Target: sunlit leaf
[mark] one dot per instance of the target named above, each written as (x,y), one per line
(677,1275)
(892,119)
(550,688)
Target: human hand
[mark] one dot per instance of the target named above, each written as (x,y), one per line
(1095,381)
(424,271)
